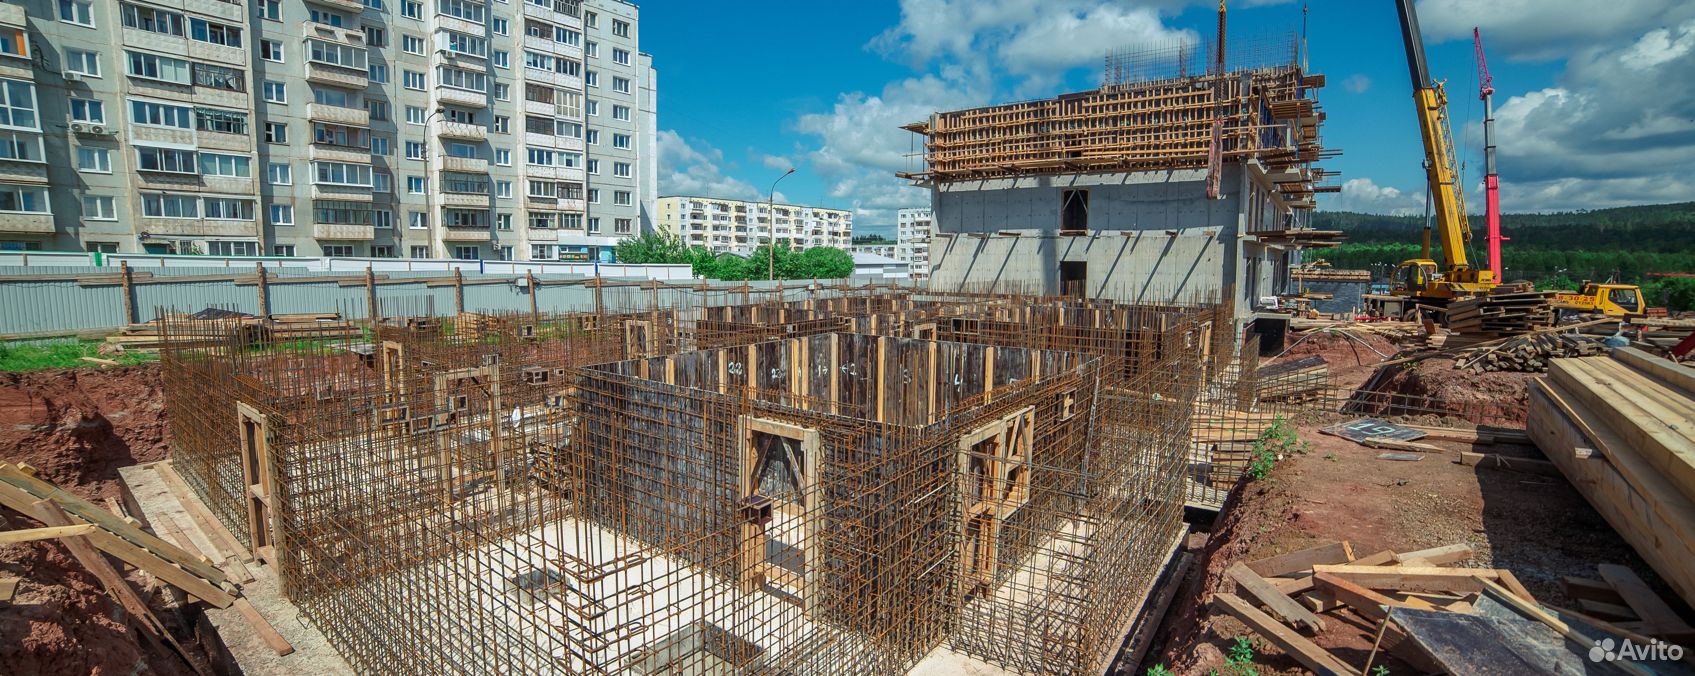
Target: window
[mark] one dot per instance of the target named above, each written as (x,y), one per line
(464,218)
(276,132)
(547,189)
(375,36)
(502,59)
(382,182)
(621,141)
(502,92)
(411,9)
(541,220)
(82,61)
(503,157)
(327,18)
(622,226)
(593,137)
(499,25)
(456,78)
(342,173)
(80,12)
(621,56)
(167,160)
(591,78)
(420,252)
(226,248)
(593,108)
(592,49)
(270,9)
(382,251)
(219,77)
(271,50)
(228,209)
(505,253)
(380,145)
(412,79)
(621,28)
(220,121)
(503,189)
(473,12)
(594,225)
(282,214)
(418,220)
(415,185)
(14,42)
(416,150)
(382,219)
(160,114)
(341,213)
(216,164)
(156,205)
(591,19)
(275,92)
(414,115)
(571,221)
(339,98)
(346,56)
(99,208)
(621,198)
(621,113)
(502,124)
(621,169)
(87,110)
(377,109)
(594,167)
(594,195)
(97,160)
(338,250)
(460,43)
(378,73)
(286,250)
(215,33)
(466,184)
(155,67)
(467,253)
(411,44)
(621,85)
(150,19)
(279,173)
(541,252)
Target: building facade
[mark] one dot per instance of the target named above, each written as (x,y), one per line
(912,234)
(379,128)
(737,226)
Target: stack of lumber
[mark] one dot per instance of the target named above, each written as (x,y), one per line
(1223,444)
(1293,381)
(1622,429)
(1500,314)
(1619,596)
(1289,597)
(1529,354)
(244,329)
(476,326)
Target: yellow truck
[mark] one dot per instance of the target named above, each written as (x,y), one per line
(1623,301)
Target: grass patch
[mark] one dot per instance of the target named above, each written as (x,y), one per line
(61,355)
(1277,442)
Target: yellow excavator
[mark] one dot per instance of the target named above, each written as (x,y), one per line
(1425,281)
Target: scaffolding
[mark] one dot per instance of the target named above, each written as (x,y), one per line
(832,485)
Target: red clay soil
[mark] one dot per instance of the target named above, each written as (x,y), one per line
(76,427)
(1500,396)
(1539,527)
(1352,358)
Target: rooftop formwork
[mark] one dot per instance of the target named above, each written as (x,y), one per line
(838,484)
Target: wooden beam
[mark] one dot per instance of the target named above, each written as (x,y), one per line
(1306,652)
(1636,594)
(1436,556)
(1302,561)
(263,627)
(13,537)
(1270,597)
(1412,578)
(1369,604)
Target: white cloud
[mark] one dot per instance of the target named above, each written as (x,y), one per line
(1547,29)
(1357,83)
(1366,196)
(686,169)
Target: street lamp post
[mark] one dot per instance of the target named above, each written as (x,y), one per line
(771,225)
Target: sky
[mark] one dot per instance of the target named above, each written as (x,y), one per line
(1594,101)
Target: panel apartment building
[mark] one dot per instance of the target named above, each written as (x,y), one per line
(912,239)
(736,226)
(515,129)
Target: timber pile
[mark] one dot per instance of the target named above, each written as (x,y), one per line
(243,329)
(1293,381)
(476,326)
(1529,354)
(1502,313)
(1622,429)
(1285,598)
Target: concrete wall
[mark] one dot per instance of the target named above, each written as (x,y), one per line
(1150,200)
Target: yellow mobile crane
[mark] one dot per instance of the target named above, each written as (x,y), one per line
(1424,281)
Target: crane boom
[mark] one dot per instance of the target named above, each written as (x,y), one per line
(1491,179)
(1441,171)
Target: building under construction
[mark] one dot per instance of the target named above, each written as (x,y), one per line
(836,485)
(1185,173)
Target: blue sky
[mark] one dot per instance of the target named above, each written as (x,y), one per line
(1595,106)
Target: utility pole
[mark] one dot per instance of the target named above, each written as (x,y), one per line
(771,225)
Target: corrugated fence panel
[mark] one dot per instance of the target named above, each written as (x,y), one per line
(192,297)
(318,297)
(39,307)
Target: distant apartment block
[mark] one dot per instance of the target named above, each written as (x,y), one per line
(383,128)
(736,226)
(912,236)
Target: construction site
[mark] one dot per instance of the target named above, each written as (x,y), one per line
(1126,427)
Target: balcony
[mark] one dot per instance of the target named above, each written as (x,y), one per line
(467,200)
(461,130)
(330,152)
(323,112)
(196,227)
(466,165)
(354,6)
(344,232)
(26,224)
(461,97)
(476,234)
(324,73)
(343,193)
(228,10)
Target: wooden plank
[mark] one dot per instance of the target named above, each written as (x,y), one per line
(1306,652)
(263,627)
(1636,594)
(1369,604)
(1658,368)
(1270,597)
(13,537)
(1498,461)
(1607,611)
(1397,445)
(1283,565)
(1436,556)
(1512,584)
(221,537)
(1594,590)
(1412,578)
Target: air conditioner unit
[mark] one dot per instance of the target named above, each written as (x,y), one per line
(79,128)
(72,76)
(99,130)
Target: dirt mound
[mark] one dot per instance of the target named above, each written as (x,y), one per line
(1352,356)
(1497,397)
(77,427)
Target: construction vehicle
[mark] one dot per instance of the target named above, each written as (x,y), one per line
(1621,301)
(1491,178)
(1423,281)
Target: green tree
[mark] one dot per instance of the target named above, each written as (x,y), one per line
(653,248)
